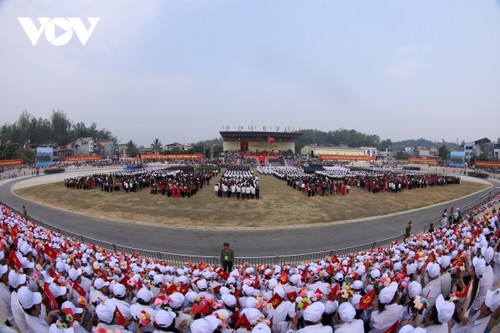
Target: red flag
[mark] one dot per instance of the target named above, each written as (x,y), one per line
(270,139)
(393,328)
(216,289)
(275,300)
(204,309)
(367,299)
(79,289)
(14,261)
(138,286)
(329,270)
(183,289)
(257,283)
(172,289)
(429,259)
(318,292)
(291,296)
(243,321)
(47,292)
(284,278)
(201,266)
(53,274)
(49,251)
(119,316)
(333,293)
(464,292)
(235,315)
(124,280)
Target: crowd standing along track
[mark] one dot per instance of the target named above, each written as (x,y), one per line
(252,246)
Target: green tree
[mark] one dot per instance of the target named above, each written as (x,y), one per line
(402,155)
(61,127)
(385,144)
(444,153)
(132,150)
(156,146)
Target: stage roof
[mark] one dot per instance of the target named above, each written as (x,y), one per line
(258,136)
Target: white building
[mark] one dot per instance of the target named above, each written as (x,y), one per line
(475,148)
(84,147)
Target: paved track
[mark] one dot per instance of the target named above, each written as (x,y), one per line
(245,242)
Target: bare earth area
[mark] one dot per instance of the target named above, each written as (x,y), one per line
(278,207)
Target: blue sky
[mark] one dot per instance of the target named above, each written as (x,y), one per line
(180,70)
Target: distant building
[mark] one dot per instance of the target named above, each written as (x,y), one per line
(475,148)
(428,152)
(496,152)
(177,146)
(84,146)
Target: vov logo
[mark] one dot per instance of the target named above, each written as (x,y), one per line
(63,26)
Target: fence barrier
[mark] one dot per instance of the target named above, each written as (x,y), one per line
(178,260)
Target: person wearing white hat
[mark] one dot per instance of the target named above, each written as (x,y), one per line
(445,276)
(164,321)
(119,293)
(312,319)
(388,311)
(17,281)
(100,291)
(107,318)
(5,305)
(78,314)
(438,316)
(345,319)
(487,315)
(484,273)
(32,305)
(144,299)
(432,289)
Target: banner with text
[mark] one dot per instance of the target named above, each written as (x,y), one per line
(82,158)
(345,158)
(8,163)
(423,160)
(486,164)
(172,157)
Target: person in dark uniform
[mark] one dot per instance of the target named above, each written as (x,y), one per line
(227,257)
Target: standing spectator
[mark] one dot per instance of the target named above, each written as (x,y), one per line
(227,257)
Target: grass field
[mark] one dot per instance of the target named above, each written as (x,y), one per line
(279,205)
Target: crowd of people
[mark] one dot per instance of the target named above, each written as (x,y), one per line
(169,182)
(444,281)
(339,179)
(311,185)
(238,183)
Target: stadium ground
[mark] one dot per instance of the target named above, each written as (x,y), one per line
(279,206)
(199,241)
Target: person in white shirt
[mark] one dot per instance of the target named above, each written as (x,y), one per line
(432,289)
(484,273)
(346,314)
(31,304)
(312,320)
(388,311)
(5,305)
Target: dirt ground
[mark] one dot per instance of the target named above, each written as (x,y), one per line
(279,205)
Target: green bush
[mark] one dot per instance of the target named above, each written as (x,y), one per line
(50,171)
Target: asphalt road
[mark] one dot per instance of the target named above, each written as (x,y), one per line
(246,243)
